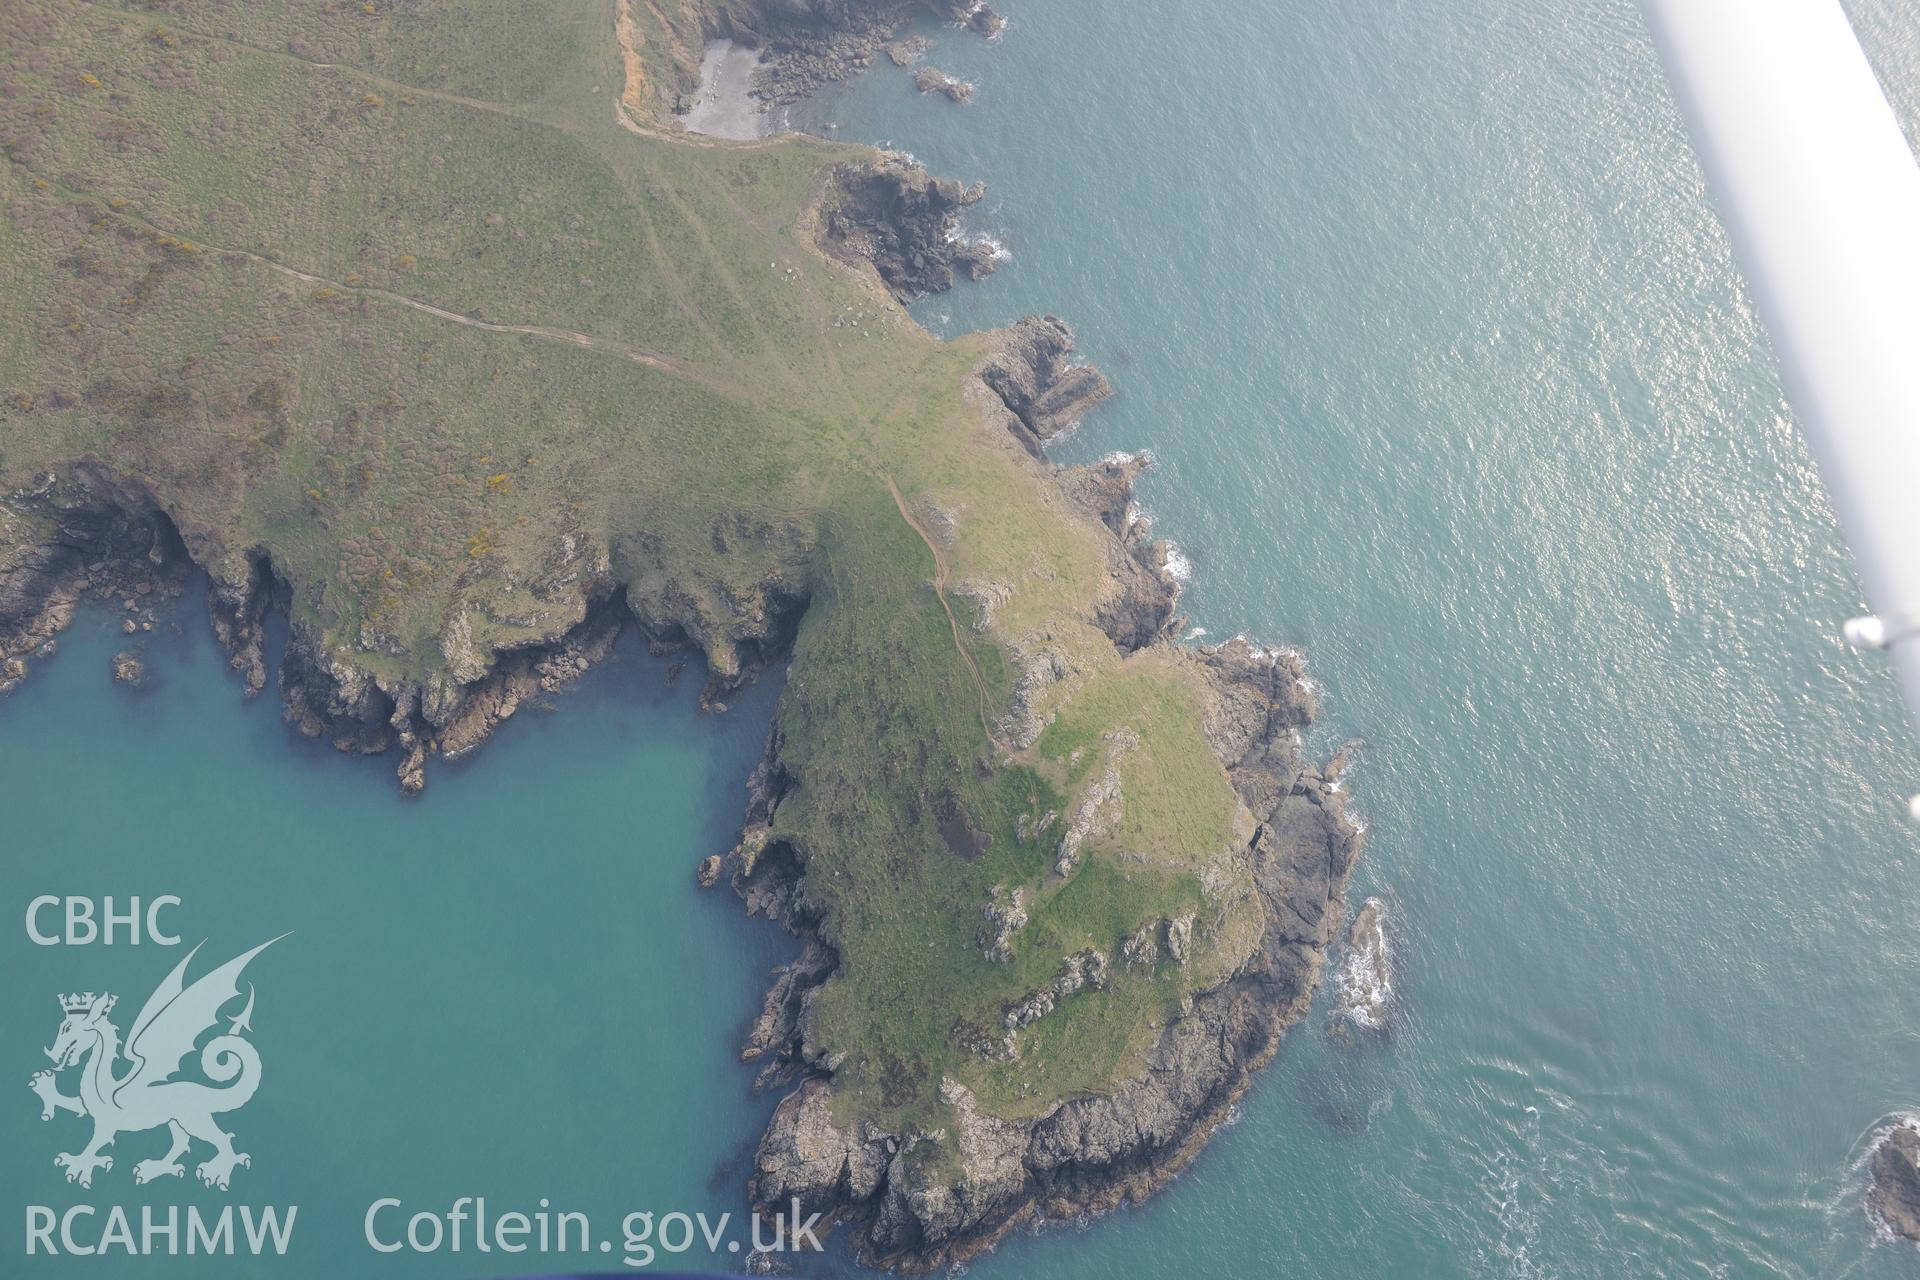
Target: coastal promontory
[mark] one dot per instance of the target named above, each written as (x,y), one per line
(428,328)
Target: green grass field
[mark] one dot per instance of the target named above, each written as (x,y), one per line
(401,294)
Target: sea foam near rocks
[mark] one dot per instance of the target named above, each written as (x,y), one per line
(1363,987)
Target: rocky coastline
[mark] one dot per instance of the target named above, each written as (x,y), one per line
(905,222)
(810,44)
(93,532)
(95,529)
(1093,1153)
(86,537)
(92,529)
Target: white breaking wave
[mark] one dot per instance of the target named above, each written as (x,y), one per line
(1364,983)
(996,247)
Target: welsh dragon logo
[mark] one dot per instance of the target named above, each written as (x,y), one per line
(145,1095)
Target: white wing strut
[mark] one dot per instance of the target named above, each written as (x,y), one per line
(1821,197)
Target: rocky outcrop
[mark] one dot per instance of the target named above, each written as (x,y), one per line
(806,1157)
(1042,393)
(328,697)
(238,609)
(809,44)
(1006,915)
(777,1033)
(979,17)
(1141,606)
(1142,946)
(1180,937)
(904,53)
(1893,1195)
(1099,808)
(934,80)
(1036,379)
(1084,970)
(895,215)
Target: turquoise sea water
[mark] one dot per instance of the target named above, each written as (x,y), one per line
(509,988)
(1423,313)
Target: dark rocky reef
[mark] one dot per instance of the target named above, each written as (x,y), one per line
(890,212)
(1893,1195)
(904,53)
(934,80)
(1363,988)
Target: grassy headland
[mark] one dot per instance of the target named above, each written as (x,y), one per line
(421,308)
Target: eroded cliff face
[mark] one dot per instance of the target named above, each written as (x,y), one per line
(87,531)
(65,540)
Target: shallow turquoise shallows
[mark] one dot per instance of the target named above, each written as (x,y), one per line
(1423,313)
